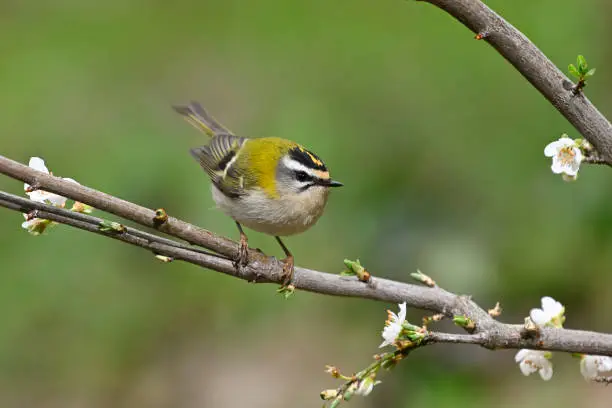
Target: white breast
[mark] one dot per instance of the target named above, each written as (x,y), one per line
(289,215)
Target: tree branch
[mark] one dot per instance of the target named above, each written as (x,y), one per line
(488,332)
(536,68)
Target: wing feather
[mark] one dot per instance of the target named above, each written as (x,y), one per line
(217,159)
(201,119)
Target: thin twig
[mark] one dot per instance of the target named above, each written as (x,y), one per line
(437,337)
(122,208)
(594,160)
(25,206)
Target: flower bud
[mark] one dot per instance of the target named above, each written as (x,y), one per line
(329,394)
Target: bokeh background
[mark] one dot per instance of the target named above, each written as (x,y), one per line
(439,142)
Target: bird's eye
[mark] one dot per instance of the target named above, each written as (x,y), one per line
(302,176)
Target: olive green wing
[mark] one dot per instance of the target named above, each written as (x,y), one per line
(218,159)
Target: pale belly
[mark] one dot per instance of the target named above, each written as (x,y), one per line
(280,217)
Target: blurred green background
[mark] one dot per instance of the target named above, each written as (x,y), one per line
(439,142)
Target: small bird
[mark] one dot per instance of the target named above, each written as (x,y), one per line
(267,184)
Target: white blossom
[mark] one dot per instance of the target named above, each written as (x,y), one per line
(366,386)
(35,226)
(393,325)
(566,156)
(531,361)
(550,314)
(591,366)
(42,196)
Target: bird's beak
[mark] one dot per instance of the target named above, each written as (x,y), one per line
(333,183)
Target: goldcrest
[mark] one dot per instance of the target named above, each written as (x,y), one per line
(268,184)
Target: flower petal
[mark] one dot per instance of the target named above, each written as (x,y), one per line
(534,360)
(520,356)
(572,169)
(393,326)
(546,372)
(591,366)
(35,226)
(27,224)
(539,317)
(56,200)
(45,197)
(557,167)
(605,364)
(578,155)
(384,344)
(551,306)
(365,387)
(38,195)
(566,141)
(588,368)
(38,164)
(402,312)
(551,149)
(526,368)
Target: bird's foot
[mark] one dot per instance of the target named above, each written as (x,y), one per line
(287,271)
(243,253)
(287,287)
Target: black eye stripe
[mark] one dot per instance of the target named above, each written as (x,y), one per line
(302,176)
(307,186)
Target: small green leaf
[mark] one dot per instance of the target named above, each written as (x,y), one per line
(415,337)
(352,264)
(388,364)
(572,70)
(464,321)
(410,327)
(355,268)
(460,320)
(582,64)
(421,277)
(589,73)
(286,291)
(111,226)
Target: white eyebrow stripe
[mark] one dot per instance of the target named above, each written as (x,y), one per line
(295,166)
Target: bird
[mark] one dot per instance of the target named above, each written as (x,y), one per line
(268,184)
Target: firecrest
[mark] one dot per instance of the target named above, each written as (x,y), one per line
(268,184)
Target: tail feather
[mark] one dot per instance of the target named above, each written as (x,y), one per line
(198,117)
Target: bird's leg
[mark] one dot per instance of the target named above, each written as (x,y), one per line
(287,264)
(243,254)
